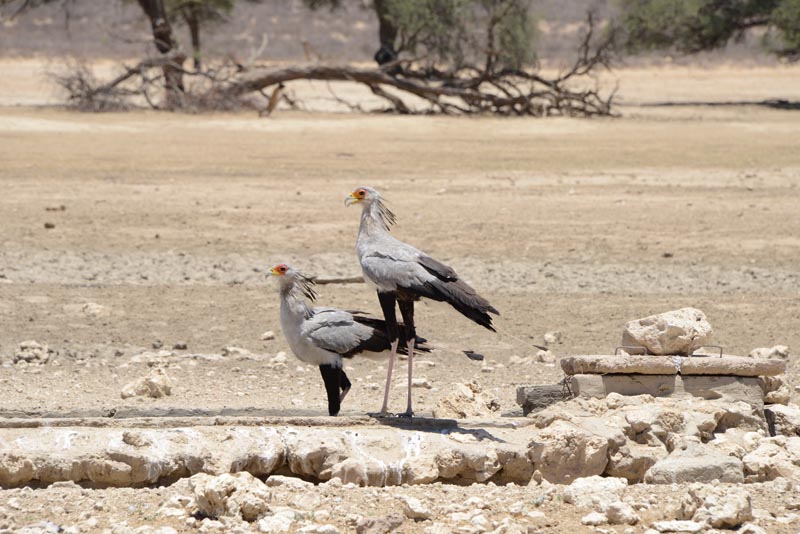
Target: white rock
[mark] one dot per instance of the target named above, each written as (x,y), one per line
(594,518)
(564,452)
(620,513)
(92,309)
(594,492)
(280,521)
(155,385)
(697,462)
(31,352)
(230,494)
(545,356)
(780,352)
(678,526)
(551,338)
(674,332)
(414,508)
(293,483)
(421,383)
(751,528)
(466,400)
(236,352)
(787,419)
(717,506)
(268,335)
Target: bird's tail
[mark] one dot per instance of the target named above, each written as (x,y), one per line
(420,343)
(463,298)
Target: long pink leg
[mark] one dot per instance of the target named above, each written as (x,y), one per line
(409,411)
(385,407)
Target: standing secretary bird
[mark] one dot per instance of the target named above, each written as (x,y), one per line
(403,274)
(323,336)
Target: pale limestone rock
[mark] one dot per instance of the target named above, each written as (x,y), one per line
(632,460)
(551,338)
(689,527)
(594,492)
(620,513)
(717,506)
(674,332)
(269,335)
(594,519)
(776,389)
(695,463)
(670,365)
(236,352)
(466,400)
(293,483)
(414,508)
(155,385)
(379,525)
(422,383)
(780,352)
(237,494)
(92,309)
(563,452)
(773,458)
(280,521)
(751,528)
(32,352)
(545,356)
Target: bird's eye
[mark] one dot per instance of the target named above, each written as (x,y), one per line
(282,269)
(361,192)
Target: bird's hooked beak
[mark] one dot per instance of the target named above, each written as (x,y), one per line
(351,199)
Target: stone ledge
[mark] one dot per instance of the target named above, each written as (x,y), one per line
(671,365)
(727,388)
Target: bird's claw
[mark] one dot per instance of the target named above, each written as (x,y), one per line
(407,413)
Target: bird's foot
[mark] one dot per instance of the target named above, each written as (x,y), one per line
(407,413)
(381,415)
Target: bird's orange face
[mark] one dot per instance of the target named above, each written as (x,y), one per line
(356,196)
(279,270)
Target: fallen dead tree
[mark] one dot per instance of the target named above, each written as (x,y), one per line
(405,86)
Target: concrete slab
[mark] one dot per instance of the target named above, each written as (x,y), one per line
(671,365)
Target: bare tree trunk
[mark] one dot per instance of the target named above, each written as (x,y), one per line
(166,44)
(190,15)
(387,34)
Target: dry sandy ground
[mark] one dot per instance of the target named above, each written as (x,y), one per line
(169,222)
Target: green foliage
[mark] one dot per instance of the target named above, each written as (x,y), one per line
(691,26)
(459,32)
(786,20)
(499,33)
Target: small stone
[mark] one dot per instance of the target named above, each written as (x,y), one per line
(281,521)
(423,383)
(156,385)
(593,519)
(49,225)
(269,335)
(620,513)
(180,346)
(778,352)
(545,356)
(551,338)
(157,344)
(379,525)
(678,526)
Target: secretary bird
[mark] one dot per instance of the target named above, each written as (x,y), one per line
(323,336)
(403,274)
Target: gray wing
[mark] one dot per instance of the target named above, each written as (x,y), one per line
(395,266)
(337,331)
